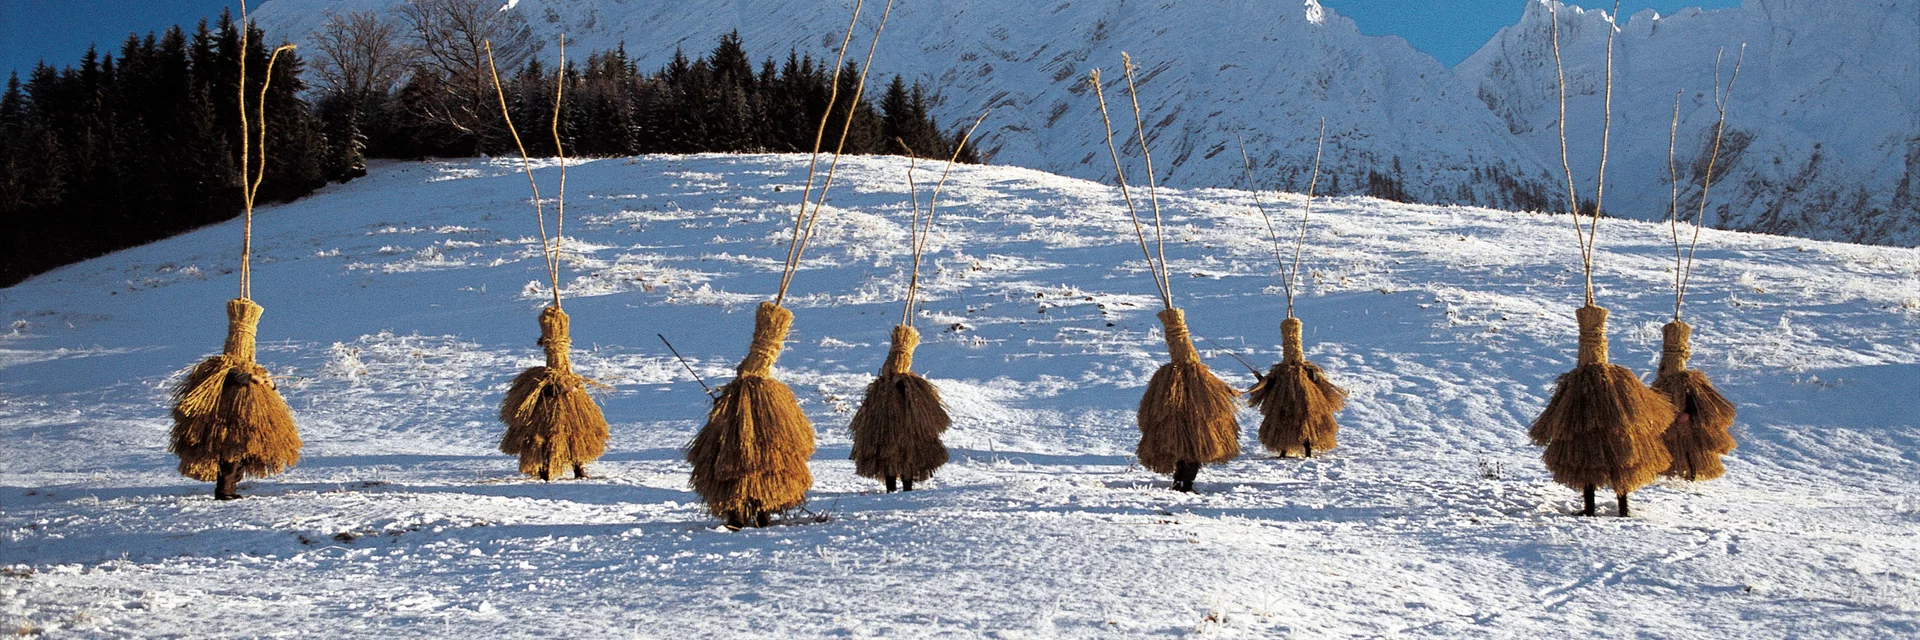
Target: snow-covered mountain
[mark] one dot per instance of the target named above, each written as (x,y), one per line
(400,305)
(1268,71)
(1826,115)
(1823,127)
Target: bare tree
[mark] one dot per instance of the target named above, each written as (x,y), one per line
(360,55)
(449,40)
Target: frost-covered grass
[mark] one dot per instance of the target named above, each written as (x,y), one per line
(399,305)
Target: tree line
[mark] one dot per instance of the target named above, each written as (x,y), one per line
(126,149)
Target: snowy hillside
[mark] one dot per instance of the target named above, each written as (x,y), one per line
(398,306)
(1824,126)
(1826,115)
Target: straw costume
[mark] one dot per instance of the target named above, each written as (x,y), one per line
(1295,398)
(1703,418)
(1602,426)
(896,431)
(229,421)
(552,423)
(1186,415)
(750,459)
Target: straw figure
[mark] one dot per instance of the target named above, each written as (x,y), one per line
(1187,414)
(750,459)
(552,423)
(896,431)
(1602,426)
(1295,398)
(1702,418)
(229,422)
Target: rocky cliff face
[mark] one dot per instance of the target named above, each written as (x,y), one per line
(1823,135)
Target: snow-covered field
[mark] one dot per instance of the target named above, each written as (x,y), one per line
(399,305)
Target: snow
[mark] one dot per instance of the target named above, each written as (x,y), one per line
(1827,96)
(400,305)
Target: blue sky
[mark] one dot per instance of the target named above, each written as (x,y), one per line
(60,30)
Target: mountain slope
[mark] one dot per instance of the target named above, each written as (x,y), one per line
(399,306)
(1823,128)
(1265,71)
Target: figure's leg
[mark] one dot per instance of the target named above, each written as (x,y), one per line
(1308,445)
(906,483)
(1589,494)
(579,469)
(762,519)
(891,486)
(1624,511)
(226,486)
(736,521)
(1183,475)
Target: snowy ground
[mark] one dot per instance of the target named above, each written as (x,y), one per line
(398,307)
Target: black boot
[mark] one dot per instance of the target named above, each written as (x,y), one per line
(891,486)
(1184,474)
(1624,512)
(226,486)
(906,484)
(762,519)
(1589,495)
(579,470)
(736,521)
(1307,445)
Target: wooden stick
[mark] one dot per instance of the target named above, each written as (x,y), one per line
(548,249)
(819,134)
(1300,246)
(1153,186)
(933,203)
(1093,78)
(249,183)
(1720,101)
(859,87)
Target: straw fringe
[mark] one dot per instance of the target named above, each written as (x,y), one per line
(1187,413)
(751,457)
(1702,419)
(552,423)
(1297,400)
(1602,427)
(227,409)
(896,432)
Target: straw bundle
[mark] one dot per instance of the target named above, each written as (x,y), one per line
(1699,433)
(228,419)
(750,460)
(552,424)
(1702,419)
(1186,415)
(1297,400)
(896,432)
(1602,426)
